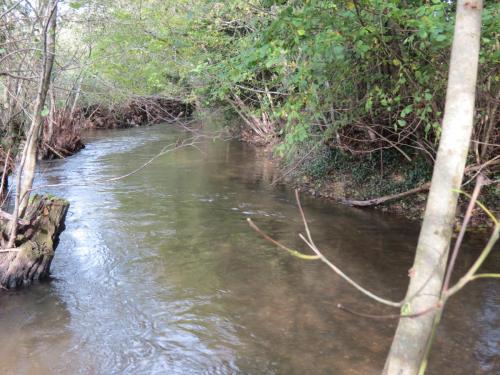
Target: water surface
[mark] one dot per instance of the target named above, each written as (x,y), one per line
(159,273)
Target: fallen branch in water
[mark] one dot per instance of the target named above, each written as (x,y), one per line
(376,201)
(380,200)
(387,316)
(404,304)
(192,142)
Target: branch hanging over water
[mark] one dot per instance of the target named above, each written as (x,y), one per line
(319,255)
(295,253)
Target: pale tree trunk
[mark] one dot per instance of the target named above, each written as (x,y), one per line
(413,334)
(27,165)
(50,123)
(30,150)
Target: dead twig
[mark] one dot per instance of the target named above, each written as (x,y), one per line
(380,200)
(458,242)
(12,250)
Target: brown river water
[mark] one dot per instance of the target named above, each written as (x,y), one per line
(159,273)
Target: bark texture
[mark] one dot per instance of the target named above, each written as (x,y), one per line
(28,163)
(35,245)
(412,334)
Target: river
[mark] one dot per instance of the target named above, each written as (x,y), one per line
(159,273)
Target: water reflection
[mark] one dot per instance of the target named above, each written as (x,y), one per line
(159,273)
(486,350)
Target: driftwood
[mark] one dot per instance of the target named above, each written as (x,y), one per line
(490,164)
(35,244)
(380,200)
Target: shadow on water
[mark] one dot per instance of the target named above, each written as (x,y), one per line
(159,273)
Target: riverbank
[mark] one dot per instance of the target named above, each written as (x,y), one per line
(383,181)
(62,128)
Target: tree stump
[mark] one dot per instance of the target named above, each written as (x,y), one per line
(37,239)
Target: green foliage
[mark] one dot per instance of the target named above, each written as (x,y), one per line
(331,64)
(313,68)
(153,47)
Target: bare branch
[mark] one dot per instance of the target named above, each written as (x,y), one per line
(310,243)
(458,242)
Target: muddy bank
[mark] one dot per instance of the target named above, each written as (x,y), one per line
(401,186)
(61,136)
(411,205)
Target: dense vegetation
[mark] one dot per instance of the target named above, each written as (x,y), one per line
(350,93)
(310,67)
(358,76)
(322,80)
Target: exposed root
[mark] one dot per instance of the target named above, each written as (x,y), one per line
(138,112)
(61,135)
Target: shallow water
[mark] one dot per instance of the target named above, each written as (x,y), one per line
(159,273)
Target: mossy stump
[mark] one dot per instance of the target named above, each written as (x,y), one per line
(37,239)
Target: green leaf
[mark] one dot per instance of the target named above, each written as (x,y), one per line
(401,122)
(45,112)
(408,109)
(338,51)
(76,4)
(440,38)
(406,309)
(301,32)
(368,104)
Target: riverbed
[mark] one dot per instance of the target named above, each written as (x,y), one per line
(159,273)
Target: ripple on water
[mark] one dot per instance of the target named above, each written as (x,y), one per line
(159,273)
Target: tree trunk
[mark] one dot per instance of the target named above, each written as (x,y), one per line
(30,150)
(26,169)
(412,334)
(48,133)
(31,258)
